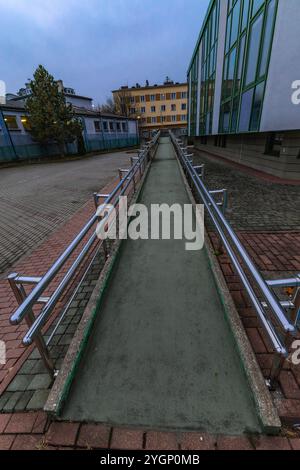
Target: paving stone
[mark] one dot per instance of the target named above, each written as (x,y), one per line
(197,441)
(27,367)
(21,423)
(295,444)
(234,443)
(20,383)
(161,441)
(33,442)
(62,434)
(38,400)
(23,401)
(40,382)
(127,439)
(272,443)
(6,442)
(94,436)
(4,419)
(11,403)
(4,399)
(38,367)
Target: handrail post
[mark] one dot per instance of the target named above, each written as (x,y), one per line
(20,296)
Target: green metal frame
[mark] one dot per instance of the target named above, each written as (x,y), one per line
(207,75)
(258,80)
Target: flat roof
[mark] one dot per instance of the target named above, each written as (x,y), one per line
(150,87)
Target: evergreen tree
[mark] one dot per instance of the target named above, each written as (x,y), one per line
(51,118)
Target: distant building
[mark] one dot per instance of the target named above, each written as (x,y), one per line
(243,75)
(157,106)
(101,131)
(70,95)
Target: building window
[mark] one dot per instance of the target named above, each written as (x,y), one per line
(26,123)
(143,109)
(153,109)
(173,96)
(132,110)
(97,125)
(173,107)
(163,108)
(143,99)
(152,97)
(132,101)
(274,144)
(153,120)
(105,126)
(183,117)
(183,107)
(163,119)
(183,95)
(173,118)
(124,126)
(250,26)
(112,126)
(163,97)
(118,127)
(11,122)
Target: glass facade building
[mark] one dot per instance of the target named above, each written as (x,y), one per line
(243,71)
(248,42)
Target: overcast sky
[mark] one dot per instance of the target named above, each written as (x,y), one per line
(96,46)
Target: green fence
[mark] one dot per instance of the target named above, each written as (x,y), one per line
(108,144)
(36,151)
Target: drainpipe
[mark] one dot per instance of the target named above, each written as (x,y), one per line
(7,133)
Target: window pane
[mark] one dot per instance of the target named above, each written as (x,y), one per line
(245,14)
(228,32)
(246,107)
(11,122)
(240,64)
(256,6)
(267,38)
(254,44)
(258,99)
(235,23)
(225,118)
(235,112)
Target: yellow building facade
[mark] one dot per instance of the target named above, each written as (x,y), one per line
(158,106)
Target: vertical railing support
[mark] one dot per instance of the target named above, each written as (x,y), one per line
(20,296)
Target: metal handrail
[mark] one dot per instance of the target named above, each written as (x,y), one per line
(44,315)
(20,313)
(231,240)
(41,283)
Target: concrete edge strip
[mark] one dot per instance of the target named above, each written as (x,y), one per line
(67,373)
(264,404)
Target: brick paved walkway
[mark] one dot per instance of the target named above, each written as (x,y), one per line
(34,431)
(37,264)
(275,248)
(35,200)
(255,204)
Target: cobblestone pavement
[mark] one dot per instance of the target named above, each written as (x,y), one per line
(254,203)
(36,199)
(30,388)
(37,264)
(33,431)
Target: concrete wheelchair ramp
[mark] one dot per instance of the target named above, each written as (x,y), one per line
(161,353)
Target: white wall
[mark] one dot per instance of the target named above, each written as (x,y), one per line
(279,113)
